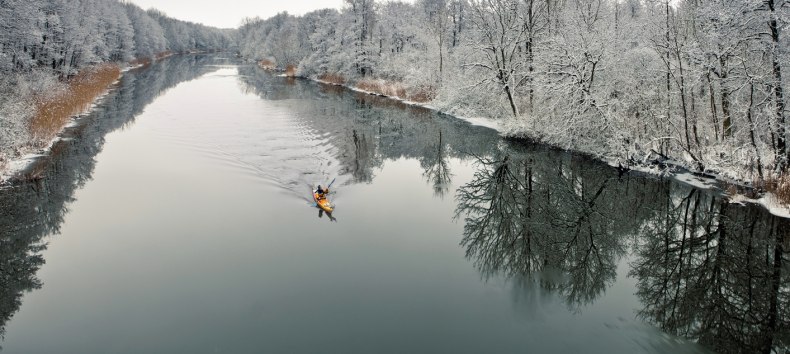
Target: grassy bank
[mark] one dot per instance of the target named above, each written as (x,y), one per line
(392,89)
(36,106)
(54,109)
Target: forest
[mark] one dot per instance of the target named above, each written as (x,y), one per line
(693,82)
(51,49)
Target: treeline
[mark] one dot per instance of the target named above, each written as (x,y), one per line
(46,43)
(633,80)
(66,36)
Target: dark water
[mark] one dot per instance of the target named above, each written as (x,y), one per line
(178,219)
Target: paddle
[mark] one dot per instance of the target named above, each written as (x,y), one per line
(327,189)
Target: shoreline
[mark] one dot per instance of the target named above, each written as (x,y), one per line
(660,168)
(29,165)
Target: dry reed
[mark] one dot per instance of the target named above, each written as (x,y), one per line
(140,61)
(162,55)
(382,87)
(396,89)
(267,64)
(290,70)
(370,86)
(54,110)
(778,185)
(423,94)
(336,79)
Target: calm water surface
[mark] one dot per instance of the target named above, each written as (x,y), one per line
(178,219)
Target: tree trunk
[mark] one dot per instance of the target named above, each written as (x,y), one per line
(694,117)
(441,57)
(683,97)
(779,100)
(669,85)
(725,100)
(511,100)
(530,53)
(530,59)
(713,112)
(751,130)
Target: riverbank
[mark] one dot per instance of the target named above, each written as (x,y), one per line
(772,193)
(47,113)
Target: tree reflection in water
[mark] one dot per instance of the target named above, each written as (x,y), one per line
(706,269)
(715,272)
(437,168)
(32,211)
(524,217)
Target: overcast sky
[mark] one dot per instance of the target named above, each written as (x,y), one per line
(228,13)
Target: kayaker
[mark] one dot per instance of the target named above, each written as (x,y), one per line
(321,192)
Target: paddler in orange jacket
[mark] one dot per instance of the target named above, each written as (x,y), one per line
(321,192)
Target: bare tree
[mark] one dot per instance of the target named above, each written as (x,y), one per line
(502,34)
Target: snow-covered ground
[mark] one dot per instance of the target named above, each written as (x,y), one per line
(479,121)
(30,157)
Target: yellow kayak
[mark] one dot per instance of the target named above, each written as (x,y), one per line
(322,203)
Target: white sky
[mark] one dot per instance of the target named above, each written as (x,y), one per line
(229,13)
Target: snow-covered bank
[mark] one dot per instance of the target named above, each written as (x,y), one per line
(649,164)
(23,166)
(479,121)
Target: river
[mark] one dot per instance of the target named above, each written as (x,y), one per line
(177,217)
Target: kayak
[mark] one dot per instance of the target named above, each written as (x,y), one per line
(322,203)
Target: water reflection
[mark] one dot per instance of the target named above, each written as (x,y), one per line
(437,167)
(361,131)
(715,272)
(546,219)
(705,269)
(530,213)
(31,211)
(329,216)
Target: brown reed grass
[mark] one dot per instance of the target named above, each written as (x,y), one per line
(778,185)
(140,61)
(396,89)
(54,109)
(370,86)
(423,94)
(162,55)
(267,64)
(383,87)
(290,70)
(336,79)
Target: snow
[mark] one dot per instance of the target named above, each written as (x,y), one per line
(770,202)
(478,121)
(18,165)
(483,122)
(696,182)
(131,67)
